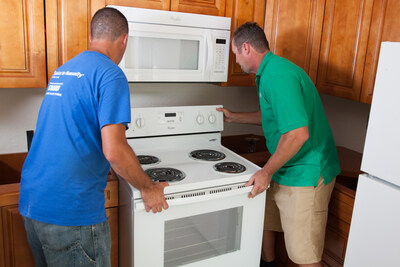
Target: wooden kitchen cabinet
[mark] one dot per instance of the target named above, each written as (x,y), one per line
(67,30)
(14,247)
(344,47)
(293,29)
(216,8)
(385,26)
(22,44)
(336,42)
(241,11)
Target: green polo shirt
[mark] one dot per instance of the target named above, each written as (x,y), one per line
(289,100)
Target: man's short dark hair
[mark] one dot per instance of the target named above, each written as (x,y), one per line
(250,33)
(108,23)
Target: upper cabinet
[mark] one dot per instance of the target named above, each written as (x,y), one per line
(293,29)
(385,26)
(336,42)
(22,44)
(216,7)
(344,47)
(67,30)
(240,12)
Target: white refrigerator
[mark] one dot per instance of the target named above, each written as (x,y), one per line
(374,238)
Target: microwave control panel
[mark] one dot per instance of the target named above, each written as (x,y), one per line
(220,54)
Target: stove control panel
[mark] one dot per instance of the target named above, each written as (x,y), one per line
(158,121)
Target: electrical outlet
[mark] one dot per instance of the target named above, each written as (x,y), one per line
(29,136)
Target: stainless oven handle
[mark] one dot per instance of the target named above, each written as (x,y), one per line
(139,205)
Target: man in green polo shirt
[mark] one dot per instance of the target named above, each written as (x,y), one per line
(303,164)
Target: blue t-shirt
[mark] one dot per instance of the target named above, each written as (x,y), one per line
(65,172)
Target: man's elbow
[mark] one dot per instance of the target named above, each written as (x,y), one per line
(304,135)
(112,155)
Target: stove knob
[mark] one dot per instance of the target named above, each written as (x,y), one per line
(139,122)
(200,119)
(212,118)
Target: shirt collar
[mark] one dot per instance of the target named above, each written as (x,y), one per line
(267,58)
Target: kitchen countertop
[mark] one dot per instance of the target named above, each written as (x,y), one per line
(350,161)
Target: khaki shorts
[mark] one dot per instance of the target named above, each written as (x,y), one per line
(301,213)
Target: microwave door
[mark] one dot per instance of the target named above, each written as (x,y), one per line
(164,53)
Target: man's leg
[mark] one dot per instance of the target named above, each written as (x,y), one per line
(304,212)
(272,224)
(268,246)
(72,246)
(34,243)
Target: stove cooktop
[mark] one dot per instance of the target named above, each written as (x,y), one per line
(177,153)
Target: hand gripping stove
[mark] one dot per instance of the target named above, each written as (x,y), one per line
(210,220)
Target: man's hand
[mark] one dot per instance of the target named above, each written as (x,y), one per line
(228,115)
(241,117)
(153,197)
(261,180)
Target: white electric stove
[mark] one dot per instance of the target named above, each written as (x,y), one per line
(210,219)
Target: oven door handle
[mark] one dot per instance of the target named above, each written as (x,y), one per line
(139,205)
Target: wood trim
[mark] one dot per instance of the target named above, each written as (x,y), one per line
(9,194)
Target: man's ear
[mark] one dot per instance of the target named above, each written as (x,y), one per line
(246,48)
(126,38)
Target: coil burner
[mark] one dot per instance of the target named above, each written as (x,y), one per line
(207,155)
(147,159)
(165,174)
(229,167)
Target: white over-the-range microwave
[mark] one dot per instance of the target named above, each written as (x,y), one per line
(166,46)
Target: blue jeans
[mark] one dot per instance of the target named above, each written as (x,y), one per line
(55,245)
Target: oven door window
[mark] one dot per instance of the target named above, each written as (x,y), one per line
(200,237)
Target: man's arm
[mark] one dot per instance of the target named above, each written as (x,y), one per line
(124,161)
(289,144)
(241,117)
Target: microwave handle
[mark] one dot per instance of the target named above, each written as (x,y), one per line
(183,201)
(209,56)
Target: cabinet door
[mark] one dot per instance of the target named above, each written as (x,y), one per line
(67,31)
(240,12)
(216,8)
(385,26)
(22,44)
(16,248)
(152,4)
(15,245)
(343,48)
(293,29)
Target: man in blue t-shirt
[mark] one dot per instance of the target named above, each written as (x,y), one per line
(80,132)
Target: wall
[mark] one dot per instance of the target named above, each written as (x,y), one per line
(19,108)
(348,120)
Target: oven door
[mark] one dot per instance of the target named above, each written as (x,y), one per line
(222,229)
